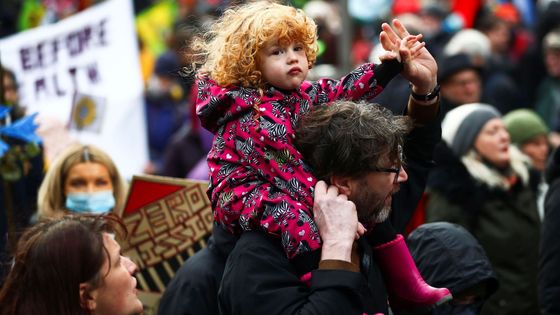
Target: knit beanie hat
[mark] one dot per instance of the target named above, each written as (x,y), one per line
(461,125)
(523,125)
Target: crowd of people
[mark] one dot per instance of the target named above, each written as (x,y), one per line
(448,126)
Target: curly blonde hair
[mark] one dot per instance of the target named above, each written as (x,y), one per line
(230,48)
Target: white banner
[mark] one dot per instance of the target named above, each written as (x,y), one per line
(94,52)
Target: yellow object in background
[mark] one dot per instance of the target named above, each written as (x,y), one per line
(153,26)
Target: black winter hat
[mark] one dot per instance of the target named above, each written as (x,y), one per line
(449,65)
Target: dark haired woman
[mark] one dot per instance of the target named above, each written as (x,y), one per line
(70,266)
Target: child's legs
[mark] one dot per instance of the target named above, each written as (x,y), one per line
(292,221)
(236,207)
(406,287)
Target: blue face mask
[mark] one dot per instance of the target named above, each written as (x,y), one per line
(97,202)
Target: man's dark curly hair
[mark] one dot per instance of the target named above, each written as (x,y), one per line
(348,138)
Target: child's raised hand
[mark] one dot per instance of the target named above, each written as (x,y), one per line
(420,67)
(404,50)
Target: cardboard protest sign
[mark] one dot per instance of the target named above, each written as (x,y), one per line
(168,220)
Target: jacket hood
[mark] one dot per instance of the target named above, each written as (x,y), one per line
(447,255)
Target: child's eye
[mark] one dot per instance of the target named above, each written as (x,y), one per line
(276,52)
(298,48)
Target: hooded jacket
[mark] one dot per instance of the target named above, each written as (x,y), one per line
(257,178)
(448,256)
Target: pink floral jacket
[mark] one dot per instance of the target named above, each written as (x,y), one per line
(258,180)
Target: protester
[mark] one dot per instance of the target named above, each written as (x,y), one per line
(499,88)
(470,42)
(494,84)
(83,178)
(11,95)
(448,255)
(194,288)
(434,28)
(188,147)
(530,134)
(483,183)
(531,70)
(166,105)
(350,146)
(21,170)
(70,266)
(461,81)
(252,93)
(549,255)
(548,94)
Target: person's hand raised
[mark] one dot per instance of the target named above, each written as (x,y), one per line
(420,67)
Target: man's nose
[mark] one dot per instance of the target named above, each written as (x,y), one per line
(403,176)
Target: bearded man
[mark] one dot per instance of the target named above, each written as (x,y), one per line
(372,170)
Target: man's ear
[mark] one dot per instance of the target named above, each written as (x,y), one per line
(87,297)
(343,183)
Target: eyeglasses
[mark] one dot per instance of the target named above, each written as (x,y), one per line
(395,170)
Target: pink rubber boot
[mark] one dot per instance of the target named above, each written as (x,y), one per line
(406,288)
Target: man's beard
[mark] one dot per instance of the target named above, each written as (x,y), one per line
(383,214)
(371,207)
(372,211)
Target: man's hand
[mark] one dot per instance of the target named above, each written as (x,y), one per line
(337,221)
(420,67)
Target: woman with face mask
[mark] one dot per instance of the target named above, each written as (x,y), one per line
(82,179)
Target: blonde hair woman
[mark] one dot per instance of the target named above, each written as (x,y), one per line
(83,178)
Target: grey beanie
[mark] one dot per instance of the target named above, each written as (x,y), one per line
(461,126)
